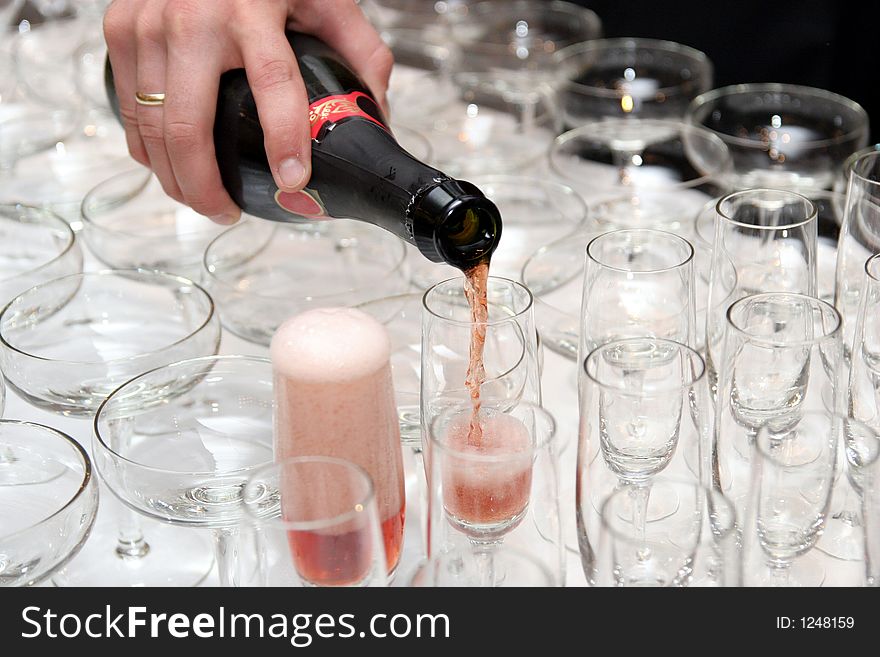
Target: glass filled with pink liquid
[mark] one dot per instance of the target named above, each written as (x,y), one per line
(312,521)
(494,516)
(334,397)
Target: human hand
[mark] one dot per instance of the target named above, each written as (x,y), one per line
(181,48)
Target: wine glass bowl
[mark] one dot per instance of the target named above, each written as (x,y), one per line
(494,501)
(643,78)
(178,443)
(66,344)
(637,283)
(782,136)
(129,223)
(261,273)
(642,173)
(35,246)
(490,130)
(48,501)
(513,43)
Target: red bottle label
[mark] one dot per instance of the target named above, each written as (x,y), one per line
(305,203)
(331,109)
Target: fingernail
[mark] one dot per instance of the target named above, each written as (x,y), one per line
(224,219)
(291,172)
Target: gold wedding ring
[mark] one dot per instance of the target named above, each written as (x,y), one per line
(151,100)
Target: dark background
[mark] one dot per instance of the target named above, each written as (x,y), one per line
(833,45)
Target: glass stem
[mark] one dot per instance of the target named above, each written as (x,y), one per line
(130,543)
(226,554)
(485,556)
(639,494)
(780,572)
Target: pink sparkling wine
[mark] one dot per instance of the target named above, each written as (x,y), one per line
(334,397)
(486,486)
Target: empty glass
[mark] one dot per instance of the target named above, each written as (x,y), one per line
(644,410)
(178,444)
(859,237)
(311,521)
(130,223)
(792,474)
(35,246)
(536,211)
(494,510)
(637,283)
(765,241)
(644,78)
(511,45)
(642,173)
(66,344)
(48,501)
(782,135)
(862,449)
(864,381)
(261,272)
(491,130)
(781,361)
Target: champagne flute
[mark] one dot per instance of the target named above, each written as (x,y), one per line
(765,241)
(792,474)
(782,357)
(859,238)
(643,410)
(862,449)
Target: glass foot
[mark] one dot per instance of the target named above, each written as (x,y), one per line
(805,572)
(843,538)
(664,502)
(171,556)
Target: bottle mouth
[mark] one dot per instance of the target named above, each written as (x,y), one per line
(469,233)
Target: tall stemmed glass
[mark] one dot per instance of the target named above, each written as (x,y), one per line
(637,283)
(67,344)
(792,474)
(864,381)
(863,398)
(643,411)
(178,444)
(765,241)
(494,509)
(859,238)
(782,357)
(862,450)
